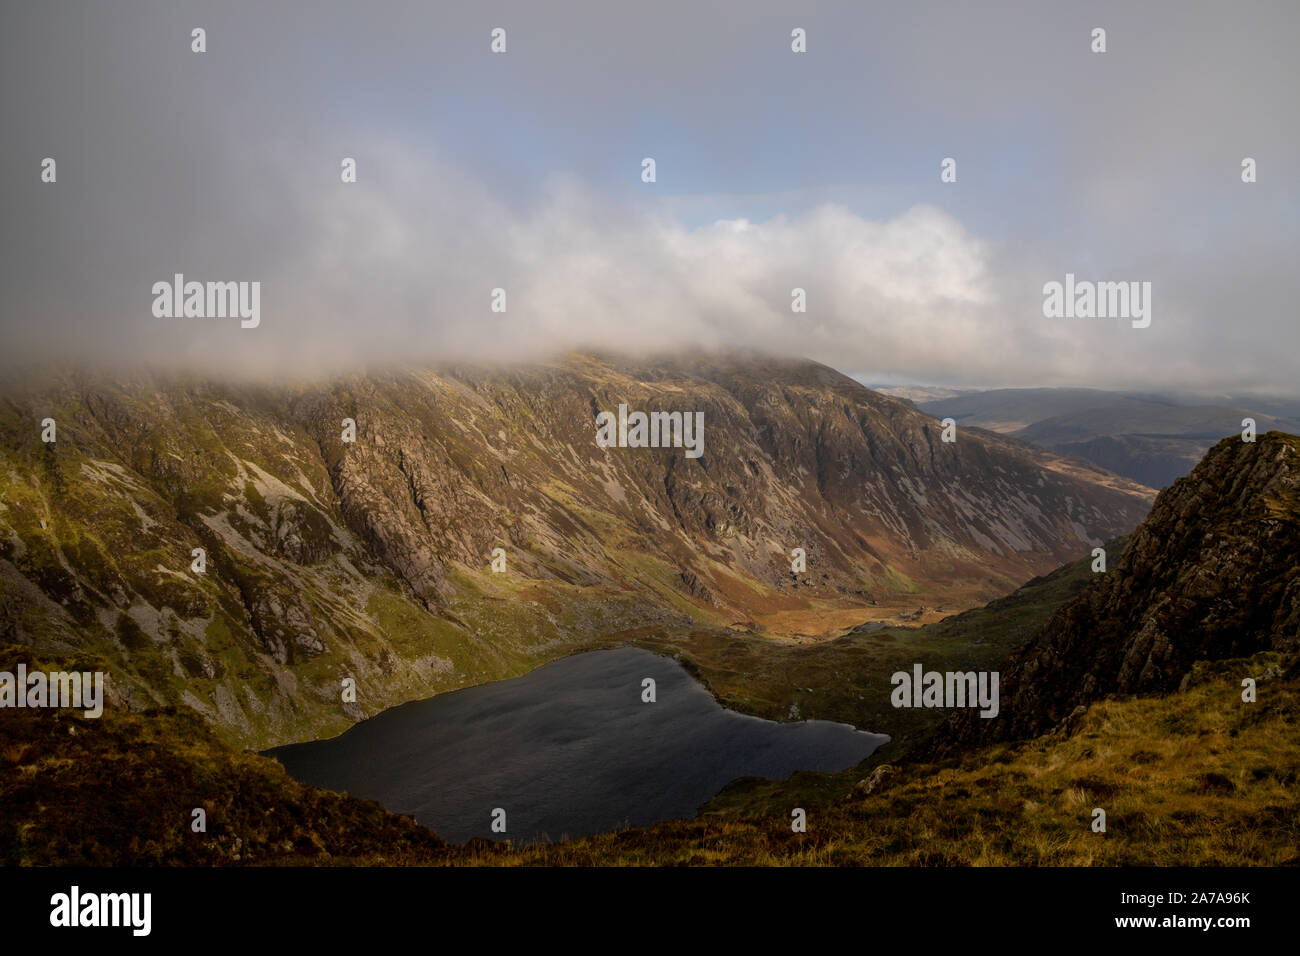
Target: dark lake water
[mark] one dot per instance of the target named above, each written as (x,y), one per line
(569,749)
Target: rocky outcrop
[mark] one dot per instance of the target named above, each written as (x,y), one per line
(1212,573)
(285,626)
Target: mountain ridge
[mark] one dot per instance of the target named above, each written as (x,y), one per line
(1210,574)
(370,559)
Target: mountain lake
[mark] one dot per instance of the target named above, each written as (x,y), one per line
(567,750)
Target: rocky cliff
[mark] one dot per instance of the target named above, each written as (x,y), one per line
(1212,573)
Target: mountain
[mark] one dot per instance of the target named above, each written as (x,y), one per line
(371,560)
(1212,573)
(1205,593)
(1153,439)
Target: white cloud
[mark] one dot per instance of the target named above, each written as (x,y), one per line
(404,271)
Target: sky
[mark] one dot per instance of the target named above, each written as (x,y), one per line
(774,170)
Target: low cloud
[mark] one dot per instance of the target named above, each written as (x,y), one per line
(521,172)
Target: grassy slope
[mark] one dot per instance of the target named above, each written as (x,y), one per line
(120,790)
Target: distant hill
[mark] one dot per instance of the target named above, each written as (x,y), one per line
(921,393)
(1007,410)
(1153,439)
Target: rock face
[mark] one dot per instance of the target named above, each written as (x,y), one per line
(369,559)
(1212,573)
(875,781)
